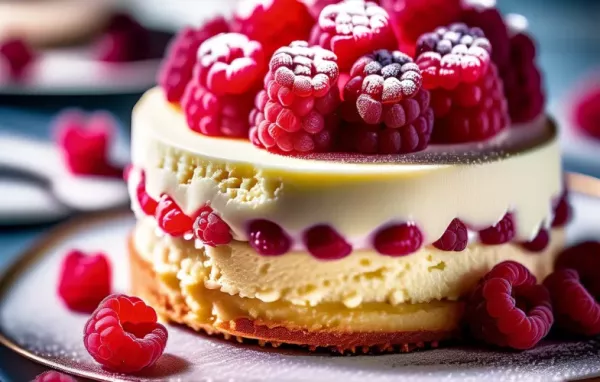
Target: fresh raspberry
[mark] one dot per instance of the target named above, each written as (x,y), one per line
(539,242)
(267,238)
(585,259)
(211,229)
(562,211)
(85,142)
(273,23)
(124,40)
(177,68)
(208,114)
(500,233)
(352,29)
(398,240)
(455,238)
(147,204)
(123,334)
(586,113)
(84,280)
(295,112)
(17,56)
(171,219)
(325,243)
(230,63)
(54,376)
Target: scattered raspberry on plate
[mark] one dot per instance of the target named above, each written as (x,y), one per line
(54,376)
(123,334)
(586,112)
(16,56)
(211,229)
(124,40)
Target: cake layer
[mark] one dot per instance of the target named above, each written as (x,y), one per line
(517,171)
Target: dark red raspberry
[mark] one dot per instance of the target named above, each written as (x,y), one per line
(171,219)
(508,309)
(211,229)
(455,238)
(539,242)
(352,29)
(123,334)
(273,23)
(17,56)
(267,238)
(54,376)
(84,280)
(295,112)
(398,240)
(325,243)
(177,68)
(147,204)
(230,63)
(500,233)
(124,40)
(586,112)
(585,259)
(209,114)
(562,211)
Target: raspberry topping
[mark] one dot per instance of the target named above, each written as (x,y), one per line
(177,68)
(295,112)
(54,376)
(123,334)
(324,243)
(539,242)
(267,238)
(500,233)
(230,63)
(398,240)
(211,229)
(562,211)
(508,309)
(18,57)
(587,113)
(170,217)
(352,29)
(84,280)
(147,204)
(124,40)
(455,238)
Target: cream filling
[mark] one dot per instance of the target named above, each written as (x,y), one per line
(244,183)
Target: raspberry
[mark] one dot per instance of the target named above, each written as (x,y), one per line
(455,238)
(210,228)
(177,68)
(208,114)
(54,376)
(84,280)
(295,112)
(123,334)
(398,240)
(562,211)
(273,23)
(267,238)
(324,243)
(585,259)
(500,233)
(539,242)
(587,113)
(124,40)
(171,219)
(147,204)
(351,29)
(230,63)
(18,57)
(508,309)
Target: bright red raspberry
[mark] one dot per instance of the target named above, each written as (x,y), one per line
(230,63)
(586,113)
(500,233)
(398,240)
(171,219)
(508,309)
(124,40)
(296,111)
(147,204)
(273,23)
(325,243)
(455,238)
(211,229)
(17,56)
(178,66)
(352,29)
(562,211)
(84,280)
(539,242)
(54,376)
(209,114)
(267,238)
(123,334)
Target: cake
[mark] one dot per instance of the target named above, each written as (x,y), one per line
(295,236)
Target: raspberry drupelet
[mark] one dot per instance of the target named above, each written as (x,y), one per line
(353,28)
(295,111)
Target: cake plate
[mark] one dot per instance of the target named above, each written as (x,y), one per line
(35,324)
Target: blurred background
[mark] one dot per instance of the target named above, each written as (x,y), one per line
(90,68)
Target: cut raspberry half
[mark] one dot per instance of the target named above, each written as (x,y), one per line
(455,238)
(539,242)
(267,238)
(17,56)
(586,113)
(398,240)
(230,63)
(54,376)
(351,29)
(211,229)
(500,233)
(325,243)
(124,40)
(123,334)
(84,280)
(508,309)
(177,68)
(171,219)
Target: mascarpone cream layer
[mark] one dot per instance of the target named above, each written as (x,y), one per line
(517,171)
